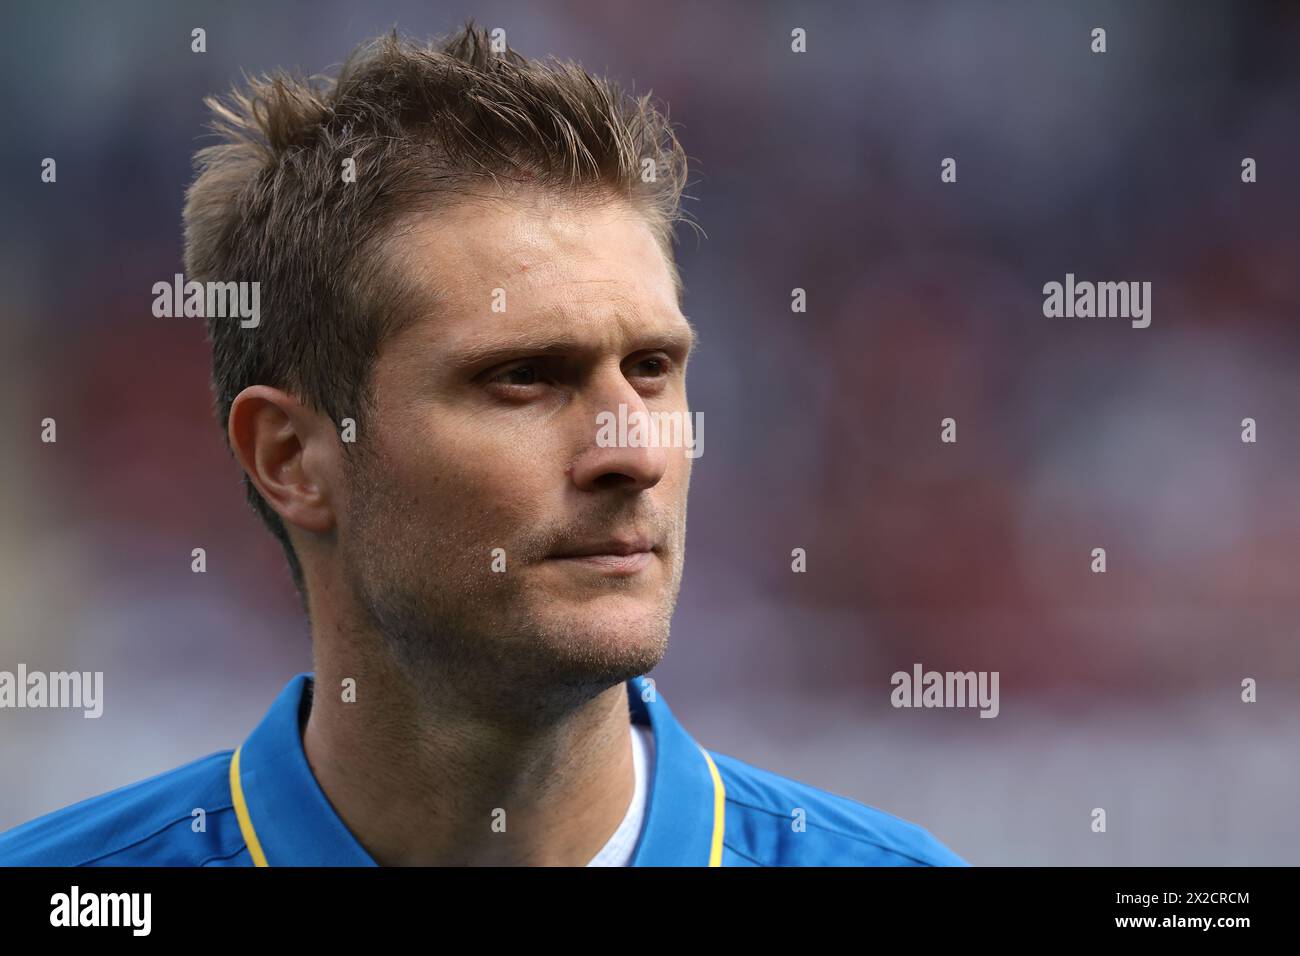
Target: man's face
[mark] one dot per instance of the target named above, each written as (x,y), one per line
(546,313)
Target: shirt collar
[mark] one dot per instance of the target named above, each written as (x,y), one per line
(286,819)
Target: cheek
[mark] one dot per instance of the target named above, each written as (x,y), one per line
(476,480)
(678,475)
(496,461)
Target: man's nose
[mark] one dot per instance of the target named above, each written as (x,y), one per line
(616,454)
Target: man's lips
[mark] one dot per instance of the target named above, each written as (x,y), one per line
(621,547)
(619,564)
(621,556)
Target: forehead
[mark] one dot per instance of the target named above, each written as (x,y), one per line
(490,269)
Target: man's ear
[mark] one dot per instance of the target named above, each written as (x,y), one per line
(290,452)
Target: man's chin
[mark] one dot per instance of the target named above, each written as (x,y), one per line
(605,640)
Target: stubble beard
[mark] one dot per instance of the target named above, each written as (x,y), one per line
(449,624)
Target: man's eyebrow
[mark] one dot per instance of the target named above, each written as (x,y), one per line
(681,338)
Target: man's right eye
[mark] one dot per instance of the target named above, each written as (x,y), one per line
(518,375)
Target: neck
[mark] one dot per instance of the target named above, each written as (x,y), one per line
(429,776)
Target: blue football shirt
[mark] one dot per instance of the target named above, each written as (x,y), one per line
(261,806)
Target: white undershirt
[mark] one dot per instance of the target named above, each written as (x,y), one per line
(617,850)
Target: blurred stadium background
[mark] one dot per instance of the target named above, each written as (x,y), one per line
(819,171)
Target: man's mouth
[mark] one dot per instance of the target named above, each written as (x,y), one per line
(616,556)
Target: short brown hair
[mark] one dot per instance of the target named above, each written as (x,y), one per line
(423,123)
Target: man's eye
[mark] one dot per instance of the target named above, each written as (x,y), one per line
(653,367)
(519,375)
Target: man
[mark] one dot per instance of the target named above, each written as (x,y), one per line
(464,260)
